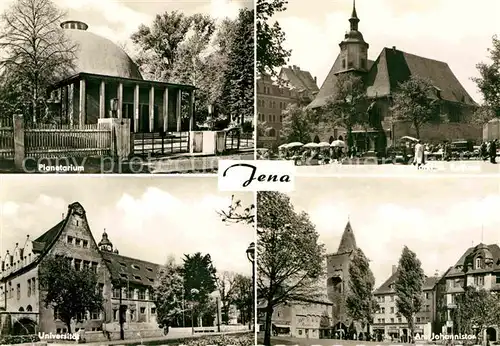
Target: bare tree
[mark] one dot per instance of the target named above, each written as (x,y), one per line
(226,284)
(35,49)
(237,213)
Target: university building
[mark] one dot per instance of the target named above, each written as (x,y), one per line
(381,78)
(21,299)
(294,86)
(388,323)
(479,267)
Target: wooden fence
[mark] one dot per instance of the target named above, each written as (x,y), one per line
(160,143)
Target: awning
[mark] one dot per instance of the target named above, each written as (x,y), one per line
(281,326)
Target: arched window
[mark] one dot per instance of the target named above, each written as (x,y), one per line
(21,309)
(29,308)
(316,139)
(272,133)
(341,138)
(478,262)
(331,139)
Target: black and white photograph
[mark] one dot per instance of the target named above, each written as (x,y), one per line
(354,261)
(125,261)
(118,86)
(379,86)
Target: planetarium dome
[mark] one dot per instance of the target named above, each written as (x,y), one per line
(98,55)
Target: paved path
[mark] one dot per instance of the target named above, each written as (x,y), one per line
(278,341)
(459,168)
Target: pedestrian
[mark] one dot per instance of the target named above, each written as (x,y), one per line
(418,159)
(482,151)
(493,151)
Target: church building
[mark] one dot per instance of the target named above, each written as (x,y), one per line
(124,282)
(382,78)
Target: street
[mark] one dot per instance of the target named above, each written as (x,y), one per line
(464,167)
(277,341)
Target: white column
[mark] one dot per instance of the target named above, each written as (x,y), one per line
(191,111)
(102,100)
(119,96)
(178,110)
(136,108)
(151,108)
(82,104)
(165,109)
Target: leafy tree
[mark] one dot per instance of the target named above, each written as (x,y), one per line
(243,297)
(415,102)
(298,125)
(226,283)
(408,287)
(168,291)
(270,37)
(290,259)
(237,213)
(482,115)
(361,303)
(199,276)
(36,53)
(489,80)
(71,292)
(238,91)
(348,106)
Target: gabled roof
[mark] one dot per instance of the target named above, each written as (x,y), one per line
(385,288)
(457,269)
(393,67)
(43,242)
(299,79)
(131,270)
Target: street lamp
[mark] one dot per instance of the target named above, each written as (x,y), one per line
(216,296)
(194,292)
(251,257)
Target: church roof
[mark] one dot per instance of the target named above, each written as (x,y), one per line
(348,242)
(98,55)
(299,79)
(393,67)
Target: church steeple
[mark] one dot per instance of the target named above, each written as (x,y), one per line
(348,242)
(354,20)
(354,49)
(105,244)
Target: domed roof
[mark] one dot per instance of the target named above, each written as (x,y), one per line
(98,55)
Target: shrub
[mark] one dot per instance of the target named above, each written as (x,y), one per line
(18,339)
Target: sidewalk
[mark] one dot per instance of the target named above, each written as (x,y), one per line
(170,338)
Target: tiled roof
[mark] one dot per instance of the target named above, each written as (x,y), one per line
(385,288)
(348,242)
(44,241)
(299,79)
(130,269)
(393,67)
(457,269)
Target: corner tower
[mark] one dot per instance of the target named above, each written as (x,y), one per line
(338,277)
(354,49)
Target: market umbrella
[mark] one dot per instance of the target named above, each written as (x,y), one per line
(311,145)
(338,143)
(410,138)
(283,146)
(294,145)
(324,145)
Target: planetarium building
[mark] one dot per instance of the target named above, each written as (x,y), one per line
(106,83)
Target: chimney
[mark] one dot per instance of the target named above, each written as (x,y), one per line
(290,67)
(394,269)
(316,80)
(63,216)
(436,273)
(394,48)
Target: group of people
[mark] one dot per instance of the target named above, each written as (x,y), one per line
(489,150)
(323,155)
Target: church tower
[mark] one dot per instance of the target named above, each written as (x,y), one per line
(338,277)
(354,49)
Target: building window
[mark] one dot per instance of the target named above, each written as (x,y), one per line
(497,279)
(115,314)
(427,295)
(143,310)
(363,63)
(86,264)
(383,310)
(95,315)
(153,311)
(478,263)
(29,308)
(399,319)
(392,310)
(18,291)
(300,331)
(94,267)
(101,290)
(77,242)
(343,63)
(479,280)
(78,264)
(418,319)
(29,288)
(141,294)
(85,244)
(116,293)
(392,298)
(392,320)
(33,282)
(69,240)
(56,313)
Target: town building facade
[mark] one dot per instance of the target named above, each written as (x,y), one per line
(381,78)
(479,267)
(294,87)
(389,324)
(124,282)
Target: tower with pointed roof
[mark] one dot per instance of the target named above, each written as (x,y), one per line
(105,244)
(338,277)
(354,49)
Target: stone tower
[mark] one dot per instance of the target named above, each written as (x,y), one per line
(338,277)
(354,49)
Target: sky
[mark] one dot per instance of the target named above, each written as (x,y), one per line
(148,218)
(457,32)
(118,19)
(437,218)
